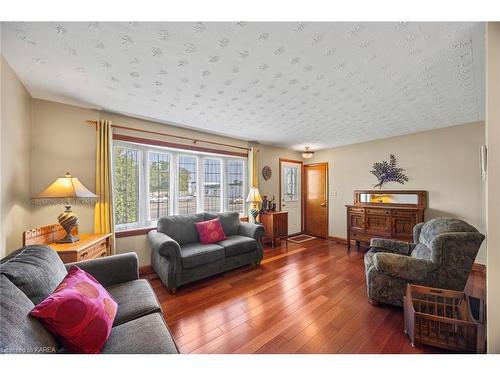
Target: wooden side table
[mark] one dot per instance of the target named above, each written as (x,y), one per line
(90,246)
(275,225)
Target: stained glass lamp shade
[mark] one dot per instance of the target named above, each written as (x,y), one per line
(65,190)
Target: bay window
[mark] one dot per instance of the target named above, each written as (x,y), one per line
(151,182)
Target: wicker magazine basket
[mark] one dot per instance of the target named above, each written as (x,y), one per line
(440,318)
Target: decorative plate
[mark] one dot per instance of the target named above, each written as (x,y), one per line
(266,172)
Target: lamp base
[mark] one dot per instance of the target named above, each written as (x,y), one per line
(68,220)
(68,238)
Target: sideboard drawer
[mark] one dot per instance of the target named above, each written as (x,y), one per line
(357,210)
(376,211)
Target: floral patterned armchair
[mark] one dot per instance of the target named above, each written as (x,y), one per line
(441,257)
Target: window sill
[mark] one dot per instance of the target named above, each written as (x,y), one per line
(133,232)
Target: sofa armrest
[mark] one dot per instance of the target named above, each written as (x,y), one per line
(254,231)
(391,246)
(165,245)
(402,266)
(114,269)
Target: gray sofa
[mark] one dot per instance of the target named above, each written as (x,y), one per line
(441,257)
(178,257)
(31,274)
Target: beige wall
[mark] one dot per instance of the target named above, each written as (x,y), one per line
(62,143)
(493,184)
(445,162)
(15,160)
(270,156)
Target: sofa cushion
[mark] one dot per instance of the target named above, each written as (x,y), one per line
(180,227)
(230,221)
(197,254)
(37,270)
(135,299)
(210,231)
(145,335)
(236,245)
(20,332)
(80,312)
(439,225)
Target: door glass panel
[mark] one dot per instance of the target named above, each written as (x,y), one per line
(186,200)
(291,184)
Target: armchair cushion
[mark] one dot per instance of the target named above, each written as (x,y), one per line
(391,246)
(439,225)
(114,269)
(135,299)
(197,254)
(402,266)
(236,245)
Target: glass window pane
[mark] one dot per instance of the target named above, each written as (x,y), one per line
(159,185)
(235,189)
(291,183)
(186,201)
(212,189)
(126,182)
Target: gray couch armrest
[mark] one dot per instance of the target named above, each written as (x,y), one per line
(114,269)
(254,231)
(402,266)
(391,246)
(165,245)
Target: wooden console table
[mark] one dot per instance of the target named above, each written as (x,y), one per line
(90,246)
(275,225)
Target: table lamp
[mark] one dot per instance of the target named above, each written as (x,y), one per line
(65,190)
(255,198)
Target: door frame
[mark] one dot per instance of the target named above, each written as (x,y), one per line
(327,197)
(283,160)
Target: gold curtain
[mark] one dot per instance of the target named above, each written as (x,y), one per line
(253,165)
(103,213)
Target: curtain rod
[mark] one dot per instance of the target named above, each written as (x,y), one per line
(194,140)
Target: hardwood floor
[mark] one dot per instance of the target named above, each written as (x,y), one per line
(304,298)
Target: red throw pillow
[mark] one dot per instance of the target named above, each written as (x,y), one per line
(80,312)
(210,231)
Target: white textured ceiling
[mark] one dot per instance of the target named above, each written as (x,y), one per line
(289,84)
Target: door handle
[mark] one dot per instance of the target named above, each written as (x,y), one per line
(323,204)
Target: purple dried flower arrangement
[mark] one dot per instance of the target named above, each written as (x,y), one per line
(388,172)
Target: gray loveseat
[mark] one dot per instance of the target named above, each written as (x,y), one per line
(441,257)
(31,274)
(178,257)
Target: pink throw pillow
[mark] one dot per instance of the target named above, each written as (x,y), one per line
(210,231)
(80,312)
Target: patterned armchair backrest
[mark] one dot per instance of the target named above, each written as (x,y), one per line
(454,245)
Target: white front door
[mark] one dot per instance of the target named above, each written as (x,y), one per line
(291,195)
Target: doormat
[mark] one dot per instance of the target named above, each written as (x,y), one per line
(301,238)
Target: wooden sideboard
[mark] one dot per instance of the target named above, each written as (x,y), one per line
(385,214)
(275,225)
(90,246)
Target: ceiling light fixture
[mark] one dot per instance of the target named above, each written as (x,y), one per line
(307,154)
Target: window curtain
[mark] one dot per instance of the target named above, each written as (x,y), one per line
(103,212)
(253,165)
